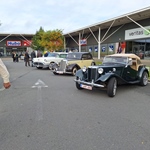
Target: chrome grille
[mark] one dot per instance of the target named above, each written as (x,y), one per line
(62,65)
(92,74)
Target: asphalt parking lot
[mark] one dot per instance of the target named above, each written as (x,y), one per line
(58,116)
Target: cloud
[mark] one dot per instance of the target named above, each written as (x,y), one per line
(25,16)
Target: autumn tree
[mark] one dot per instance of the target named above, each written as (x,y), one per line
(36,40)
(52,40)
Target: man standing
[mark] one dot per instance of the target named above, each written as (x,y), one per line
(5,75)
(33,55)
(26,58)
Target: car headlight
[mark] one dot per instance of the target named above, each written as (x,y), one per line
(84,69)
(114,69)
(100,70)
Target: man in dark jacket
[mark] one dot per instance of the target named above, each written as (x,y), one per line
(26,58)
(33,55)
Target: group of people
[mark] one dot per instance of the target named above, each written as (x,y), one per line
(15,56)
(33,55)
(4,72)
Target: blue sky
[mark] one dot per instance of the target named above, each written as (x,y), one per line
(27,16)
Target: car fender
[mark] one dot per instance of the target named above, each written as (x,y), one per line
(71,66)
(107,76)
(79,73)
(141,70)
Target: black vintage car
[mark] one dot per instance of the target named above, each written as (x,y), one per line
(73,62)
(115,70)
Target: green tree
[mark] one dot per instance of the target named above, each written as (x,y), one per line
(52,40)
(36,40)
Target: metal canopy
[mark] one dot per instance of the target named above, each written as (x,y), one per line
(136,16)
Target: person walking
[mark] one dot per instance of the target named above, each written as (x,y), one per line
(5,75)
(33,55)
(26,58)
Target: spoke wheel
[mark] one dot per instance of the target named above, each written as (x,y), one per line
(74,71)
(50,66)
(144,79)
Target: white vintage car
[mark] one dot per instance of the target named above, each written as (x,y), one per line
(46,62)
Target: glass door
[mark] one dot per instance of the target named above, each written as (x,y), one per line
(139,50)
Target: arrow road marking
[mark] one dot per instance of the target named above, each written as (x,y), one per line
(39,84)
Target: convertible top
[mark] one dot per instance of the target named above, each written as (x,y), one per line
(125,55)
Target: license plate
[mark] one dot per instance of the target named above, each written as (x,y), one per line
(86,86)
(60,72)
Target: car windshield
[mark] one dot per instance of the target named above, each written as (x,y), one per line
(109,59)
(63,55)
(53,55)
(74,56)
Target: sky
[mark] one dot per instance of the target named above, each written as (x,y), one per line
(27,16)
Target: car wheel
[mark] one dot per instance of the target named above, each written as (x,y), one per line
(74,71)
(54,72)
(144,79)
(78,86)
(112,87)
(50,66)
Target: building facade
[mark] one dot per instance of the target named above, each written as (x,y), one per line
(14,42)
(129,33)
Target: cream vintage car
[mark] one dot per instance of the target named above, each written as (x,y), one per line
(46,62)
(73,62)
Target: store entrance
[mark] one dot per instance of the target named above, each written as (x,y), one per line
(139,50)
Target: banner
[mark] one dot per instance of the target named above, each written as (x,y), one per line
(13,43)
(83,42)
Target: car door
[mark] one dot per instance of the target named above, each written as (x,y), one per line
(86,60)
(130,73)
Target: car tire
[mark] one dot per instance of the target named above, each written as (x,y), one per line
(78,86)
(50,65)
(112,87)
(54,72)
(74,70)
(39,67)
(144,79)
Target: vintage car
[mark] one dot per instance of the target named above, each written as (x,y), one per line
(115,70)
(73,62)
(46,62)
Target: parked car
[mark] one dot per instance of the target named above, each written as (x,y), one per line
(46,62)
(73,62)
(115,70)
(147,53)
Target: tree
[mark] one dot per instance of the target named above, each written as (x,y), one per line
(36,40)
(52,40)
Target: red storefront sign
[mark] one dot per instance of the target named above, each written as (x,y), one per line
(26,43)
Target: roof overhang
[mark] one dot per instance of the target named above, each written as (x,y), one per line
(12,34)
(136,16)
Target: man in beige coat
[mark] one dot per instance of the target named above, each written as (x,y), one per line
(5,75)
